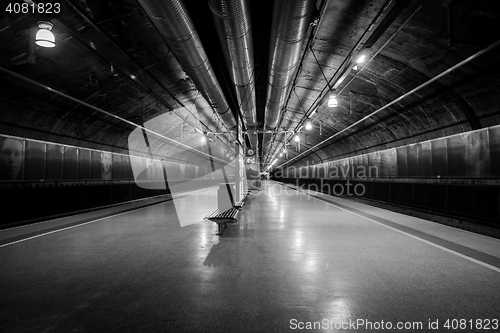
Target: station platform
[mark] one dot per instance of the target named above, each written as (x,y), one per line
(295,260)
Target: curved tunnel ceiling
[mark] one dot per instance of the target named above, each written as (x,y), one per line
(412,50)
(111,56)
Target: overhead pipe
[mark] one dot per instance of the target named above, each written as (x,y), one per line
(390,11)
(291,20)
(175,25)
(127,74)
(232,20)
(315,24)
(397,100)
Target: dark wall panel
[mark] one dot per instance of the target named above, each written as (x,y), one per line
(99,195)
(456,156)
(401,154)
(54,162)
(121,192)
(474,201)
(393,162)
(34,161)
(494,136)
(425,159)
(401,192)
(65,199)
(413,167)
(117,166)
(95,165)
(126,168)
(431,196)
(380,190)
(84,164)
(70,166)
(385,170)
(439,157)
(366,164)
(477,154)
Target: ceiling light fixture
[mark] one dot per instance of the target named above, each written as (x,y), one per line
(309,126)
(296,138)
(44,37)
(203,139)
(361,59)
(332,102)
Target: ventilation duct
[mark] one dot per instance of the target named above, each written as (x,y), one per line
(232,19)
(172,20)
(291,20)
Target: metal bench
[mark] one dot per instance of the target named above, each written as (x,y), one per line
(239,204)
(223,218)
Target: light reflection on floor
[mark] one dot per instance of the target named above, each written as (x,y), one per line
(193,207)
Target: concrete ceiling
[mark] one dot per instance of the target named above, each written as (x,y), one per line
(112,68)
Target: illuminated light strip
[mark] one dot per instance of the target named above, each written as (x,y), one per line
(102,111)
(449,70)
(496,269)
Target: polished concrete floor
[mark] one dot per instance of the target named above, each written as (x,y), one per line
(294,259)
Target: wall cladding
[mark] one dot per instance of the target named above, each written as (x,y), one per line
(474,154)
(43,179)
(446,175)
(31,160)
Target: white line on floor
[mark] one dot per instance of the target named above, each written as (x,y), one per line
(62,229)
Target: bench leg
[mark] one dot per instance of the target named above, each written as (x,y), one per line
(221,226)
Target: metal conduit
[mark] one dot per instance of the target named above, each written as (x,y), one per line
(232,20)
(291,20)
(126,73)
(174,23)
(414,90)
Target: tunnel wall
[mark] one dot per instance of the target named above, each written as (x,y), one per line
(34,201)
(456,175)
(470,155)
(48,161)
(55,179)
